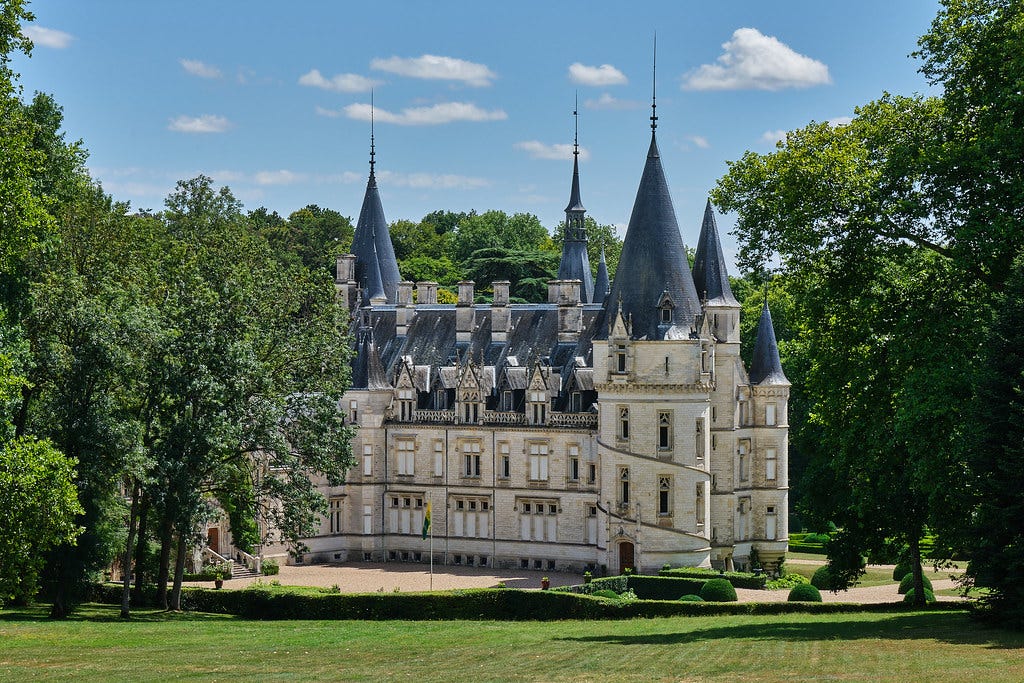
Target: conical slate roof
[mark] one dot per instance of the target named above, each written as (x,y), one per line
(372,242)
(575,203)
(766,368)
(709,272)
(653,260)
(601,284)
(575,263)
(367,368)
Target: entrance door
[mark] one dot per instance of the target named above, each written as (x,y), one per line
(213,539)
(625,556)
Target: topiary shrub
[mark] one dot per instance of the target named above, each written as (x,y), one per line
(787,581)
(901,570)
(908,583)
(805,592)
(611,595)
(691,598)
(816,538)
(270,568)
(718,590)
(822,579)
(928,595)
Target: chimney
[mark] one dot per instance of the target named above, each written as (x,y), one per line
(426,292)
(501,315)
(464,312)
(345,280)
(404,309)
(570,309)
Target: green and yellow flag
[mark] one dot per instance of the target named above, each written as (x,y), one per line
(426,522)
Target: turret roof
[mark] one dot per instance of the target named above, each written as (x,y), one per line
(709,270)
(766,367)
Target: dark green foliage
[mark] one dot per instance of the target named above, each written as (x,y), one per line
(804,592)
(737,579)
(605,593)
(270,568)
(664,587)
(929,596)
(822,579)
(691,598)
(718,590)
(616,584)
(907,583)
(787,581)
(901,570)
(820,539)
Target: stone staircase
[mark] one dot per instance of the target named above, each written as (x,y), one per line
(240,571)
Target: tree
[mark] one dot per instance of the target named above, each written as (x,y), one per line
(497,230)
(598,237)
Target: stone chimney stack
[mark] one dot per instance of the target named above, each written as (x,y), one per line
(570,309)
(345,281)
(501,315)
(426,292)
(404,310)
(464,312)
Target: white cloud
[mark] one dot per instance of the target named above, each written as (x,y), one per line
(754,61)
(200,69)
(338,82)
(773,136)
(445,112)
(282,177)
(840,121)
(606,101)
(435,181)
(48,37)
(603,75)
(538,150)
(329,113)
(207,123)
(433,67)
(699,141)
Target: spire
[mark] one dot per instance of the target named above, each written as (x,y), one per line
(367,368)
(371,242)
(654,87)
(766,368)
(709,271)
(601,284)
(653,259)
(575,263)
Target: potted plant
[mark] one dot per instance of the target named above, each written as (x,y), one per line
(587,577)
(545,583)
(218,579)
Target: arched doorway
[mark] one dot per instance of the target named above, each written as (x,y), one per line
(626,556)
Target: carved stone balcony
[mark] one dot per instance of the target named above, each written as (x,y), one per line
(584,420)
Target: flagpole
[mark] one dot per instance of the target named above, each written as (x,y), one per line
(431,551)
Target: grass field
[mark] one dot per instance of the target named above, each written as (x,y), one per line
(95,645)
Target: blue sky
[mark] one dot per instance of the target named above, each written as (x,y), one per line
(473,100)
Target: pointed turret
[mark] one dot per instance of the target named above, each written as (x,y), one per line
(367,368)
(601,284)
(575,264)
(653,260)
(372,241)
(709,272)
(766,367)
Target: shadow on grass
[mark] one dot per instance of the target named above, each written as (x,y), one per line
(951,628)
(92,612)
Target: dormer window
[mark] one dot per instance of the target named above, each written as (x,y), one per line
(666,315)
(665,308)
(406,404)
(539,407)
(620,358)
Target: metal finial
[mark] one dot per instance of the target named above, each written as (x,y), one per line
(576,116)
(373,152)
(654,86)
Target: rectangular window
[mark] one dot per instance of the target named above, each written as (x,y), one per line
(471,518)
(620,358)
(334,514)
(367,461)
(769,414)
(406,457)
(353,411)
(506,462)
(438,458)
(770,460)
(623,485)
(770,523)
(623,432)
(574,463)
(538,520)
(664,430)
(591,473)
(743,456)
(699,440)
(406,404)
(471,458)
(575,402)
(367,519)
(699,507)
(538,462)
(664,496)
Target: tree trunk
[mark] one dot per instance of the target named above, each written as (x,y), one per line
(126,566)
(166,538)
(140,551)
(915,560)
(179,573)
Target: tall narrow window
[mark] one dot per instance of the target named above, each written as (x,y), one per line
(538,462)
(620,358)
(334,514)
(367,461)
(664,496)
(770,524)
(506,462)
(769,414)
(406,404)
(591,473)
(623,432)
(743,461)
(664,430)
(574,463)
(539,406)
(438,458)
(406,457)
(471,458)
(699,507)
(624,485)
(353,411)
(575,402)
(699,440)
(770,461)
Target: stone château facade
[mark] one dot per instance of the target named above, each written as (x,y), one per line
(613,426)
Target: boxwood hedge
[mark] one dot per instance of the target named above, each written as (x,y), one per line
(737,579)
(907,583)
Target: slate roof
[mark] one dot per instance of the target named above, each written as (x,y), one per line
(575,263)
(653,259)
(601,285)
(766,367)
(372,246)
(709,271)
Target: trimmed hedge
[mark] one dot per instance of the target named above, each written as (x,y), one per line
(928,595)
(606,593)
(664,587)
(821,579)
(617,584)
(901,570)
(691,598)
(737,579)
(266,603)
(908,583)
(810,548)
(804,592)
(718,590)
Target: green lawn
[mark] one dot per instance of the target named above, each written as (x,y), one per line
(921,646)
